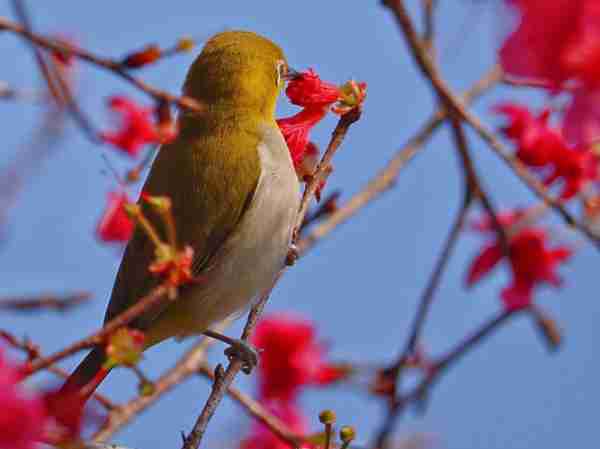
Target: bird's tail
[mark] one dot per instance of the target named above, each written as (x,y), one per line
(66,404)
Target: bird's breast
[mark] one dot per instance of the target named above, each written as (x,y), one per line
(252,256)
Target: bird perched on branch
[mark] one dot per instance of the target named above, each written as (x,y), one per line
(233,193)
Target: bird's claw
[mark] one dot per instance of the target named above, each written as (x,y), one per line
(245,352)
(292,255)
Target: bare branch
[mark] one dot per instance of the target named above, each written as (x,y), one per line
(105,63)
(51,302)
(154,298)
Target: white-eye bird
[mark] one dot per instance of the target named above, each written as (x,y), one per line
(234,194)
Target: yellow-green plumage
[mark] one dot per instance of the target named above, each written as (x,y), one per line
(235,77)
(233,189)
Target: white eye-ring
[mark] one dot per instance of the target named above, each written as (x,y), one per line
(281,69)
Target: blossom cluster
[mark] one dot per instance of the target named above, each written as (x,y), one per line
(555,46)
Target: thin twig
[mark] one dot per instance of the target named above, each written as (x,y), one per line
(258,411)
(109,64)
(51,302)
(475,183)
(439,367)
(183,369)
(433,283)
(431,72)
(33,351)
(223,379)
(154,298)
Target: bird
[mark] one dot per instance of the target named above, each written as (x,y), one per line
(234,197)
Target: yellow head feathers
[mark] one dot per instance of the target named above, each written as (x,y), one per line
(237,69)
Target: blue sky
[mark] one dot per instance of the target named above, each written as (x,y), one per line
(362,284)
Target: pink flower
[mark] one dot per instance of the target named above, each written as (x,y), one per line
(532,263)
(137,128)
(22,417)
(291,357)
(115,225)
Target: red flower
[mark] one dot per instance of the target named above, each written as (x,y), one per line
(575,168)
(537,142)
(22,417)
(533,49)
(115,224)
(291,357)
(558,42)
(295,130)
(531,261)
(261,437)
(307,89)
(581,124)
(137,128)
(543,147)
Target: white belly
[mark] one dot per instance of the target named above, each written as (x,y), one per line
(250,259)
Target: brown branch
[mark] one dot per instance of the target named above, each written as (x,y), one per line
(438,367)
(223,379)
(55,78)
(431,72)
(386,178)
(432,285)
(52,302)
(154,298)
(183,369)
(326,207)
(254,408)
(111,65)
(33,351)
(475,185)
(20,11)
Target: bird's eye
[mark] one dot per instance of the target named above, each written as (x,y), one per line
(281,72)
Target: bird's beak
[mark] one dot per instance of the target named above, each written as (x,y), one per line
(291,74)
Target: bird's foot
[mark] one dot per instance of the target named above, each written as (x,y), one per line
(245,352)
(292,255)
(238,349)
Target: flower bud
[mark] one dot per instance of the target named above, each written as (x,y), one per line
(143,57)
(185,44)
(347,434)
(327,417)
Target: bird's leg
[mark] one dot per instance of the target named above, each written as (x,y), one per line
(238,349)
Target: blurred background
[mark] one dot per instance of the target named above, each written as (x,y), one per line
(360,285)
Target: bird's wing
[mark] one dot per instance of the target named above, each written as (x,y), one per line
(210,192)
